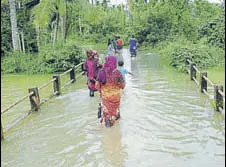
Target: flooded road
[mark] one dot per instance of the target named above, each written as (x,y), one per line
(165,121)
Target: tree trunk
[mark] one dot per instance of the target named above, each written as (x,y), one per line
(38,34)
(79,24)
(19,43)
(64,26)
(22,40)
(63,20)
(14,29)
(56,28)
(52,32)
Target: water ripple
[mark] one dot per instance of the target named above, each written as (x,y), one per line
(165,121)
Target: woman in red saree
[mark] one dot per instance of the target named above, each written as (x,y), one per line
(109,84)
(97,59)
(90,66)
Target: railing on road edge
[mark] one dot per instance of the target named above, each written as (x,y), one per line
(34,95)
(219,96)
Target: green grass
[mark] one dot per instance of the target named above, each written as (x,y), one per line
(217,75)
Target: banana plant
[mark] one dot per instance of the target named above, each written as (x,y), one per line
(50,14)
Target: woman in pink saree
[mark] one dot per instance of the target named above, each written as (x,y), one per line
(109,84)
(90,66)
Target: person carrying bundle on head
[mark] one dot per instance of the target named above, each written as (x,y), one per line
(119,43)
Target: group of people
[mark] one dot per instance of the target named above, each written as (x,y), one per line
(108,79)
(115,45)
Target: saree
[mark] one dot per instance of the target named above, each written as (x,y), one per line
(110,90)
(132,45)
(91,68)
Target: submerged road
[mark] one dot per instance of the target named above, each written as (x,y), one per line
(165,121)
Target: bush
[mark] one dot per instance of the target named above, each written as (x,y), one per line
(51,59)
(204,56)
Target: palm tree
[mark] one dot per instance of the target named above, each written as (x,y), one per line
(14,29)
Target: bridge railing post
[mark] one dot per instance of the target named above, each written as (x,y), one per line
(56,84)
(72,74)
(192,71)
(34,98)
(187,59)
(203,82)
(217,96)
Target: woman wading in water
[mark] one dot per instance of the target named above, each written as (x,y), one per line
(91,68)
(109,84)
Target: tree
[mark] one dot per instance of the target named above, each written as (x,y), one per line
(14,29)
(51,13)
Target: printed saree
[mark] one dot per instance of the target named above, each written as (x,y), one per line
(110,90)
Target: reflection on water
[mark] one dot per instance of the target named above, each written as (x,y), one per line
(112,148)
(165,121)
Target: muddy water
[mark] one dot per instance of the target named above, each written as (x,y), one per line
(165,121)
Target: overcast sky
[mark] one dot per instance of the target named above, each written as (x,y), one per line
(124,1)
(215,1)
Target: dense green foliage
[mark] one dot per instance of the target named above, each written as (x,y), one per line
(54,32)
(6,41)
(53,59)
(203,55)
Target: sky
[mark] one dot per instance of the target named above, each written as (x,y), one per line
(118,1)
(124,1)
(215,1)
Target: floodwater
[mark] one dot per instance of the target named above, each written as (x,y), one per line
(165,121)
